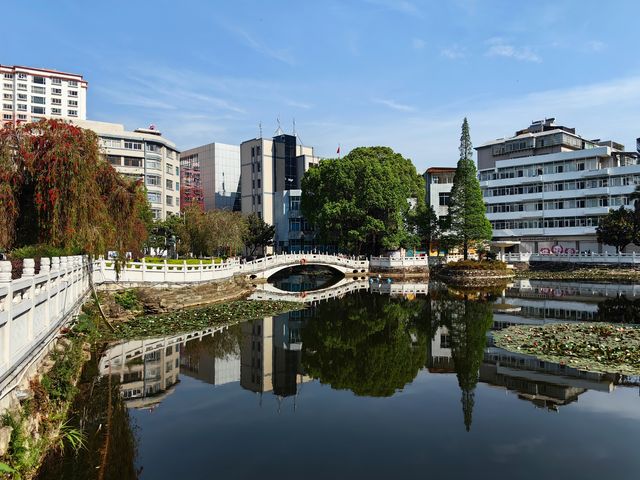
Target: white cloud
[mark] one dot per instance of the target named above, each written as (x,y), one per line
(394,105)
(418,43)
(453,52)
(249,40)
(595,46)
(295,104)
(499,47)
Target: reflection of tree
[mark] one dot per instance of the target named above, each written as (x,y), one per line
(221,345)
(100,412)
(618,310)
(371,345)
(468,322)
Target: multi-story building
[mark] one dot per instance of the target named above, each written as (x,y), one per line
(547,187)
(212,171)
(272,171)
(30,94)
(143,154)
(439,182)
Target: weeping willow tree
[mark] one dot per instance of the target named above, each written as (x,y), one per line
(57,189)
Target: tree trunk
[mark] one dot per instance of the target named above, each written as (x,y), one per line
(428,247)
(465,249)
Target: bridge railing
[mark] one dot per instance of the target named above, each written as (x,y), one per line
(33,306)
(399,262)
(583,258)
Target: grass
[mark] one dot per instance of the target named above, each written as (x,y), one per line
(599,347)
(476,265)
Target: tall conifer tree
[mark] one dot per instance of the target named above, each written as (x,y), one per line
(468,224)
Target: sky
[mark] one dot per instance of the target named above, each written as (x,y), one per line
(400,73)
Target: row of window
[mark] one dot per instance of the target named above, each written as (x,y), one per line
(545,223)
(40,80)
(39,110)
(38,100)
(618,181)
(539,142)
(256,151)
(592,202)
(156,197)
(137,162)
(40,90)
(543,169)
(156,181)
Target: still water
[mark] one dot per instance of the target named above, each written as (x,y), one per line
(369,385)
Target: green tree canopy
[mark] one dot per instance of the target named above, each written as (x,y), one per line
(359,202)
(259,234)
(467,221)
(371,345)
(617,228)
(216,232)
(426,224)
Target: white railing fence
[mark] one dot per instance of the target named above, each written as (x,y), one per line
(583,258)
(399,262)
(34,305)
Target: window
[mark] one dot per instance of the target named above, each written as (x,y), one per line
(253,152)
(38,100)
(38,110)
(56,101)
(443,198)
(169,169)
(56,91)
(8,86)
(113,160)
(112,142)
(38,80)
(56,81)
(152,147)
(259,184)
(153,164)
(170,154)
(22,107)
(22,97)
(72,103)
(295,225)
(258,151)
(56,111)
(177,170)
(169,184)
(153,180)
(38,90)
(170,200)
(22,86)
(156,213)
(129,145)
(22,116)
(7,96)
(154,197)
(73,83)
(177,190)
(8,76)
(73,113)
(294,203)
(22,76)
(135,162)
(7,116)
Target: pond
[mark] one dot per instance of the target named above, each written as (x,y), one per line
(365,386)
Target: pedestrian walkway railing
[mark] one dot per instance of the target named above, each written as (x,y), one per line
(583,258)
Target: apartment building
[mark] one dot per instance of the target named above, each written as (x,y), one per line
(439,182)
(546,188)
(271,176)
(30,94)
(211,176)
(143,154)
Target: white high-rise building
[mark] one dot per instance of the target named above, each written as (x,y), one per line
(30,94)
(546,188)
(143,154)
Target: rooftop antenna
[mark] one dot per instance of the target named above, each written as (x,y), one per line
(260,129)
(279,130)
(295,134)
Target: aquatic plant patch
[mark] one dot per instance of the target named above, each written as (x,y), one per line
(197,318)
(598,347)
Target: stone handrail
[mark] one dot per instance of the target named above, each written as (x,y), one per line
(33,306)
(585,258)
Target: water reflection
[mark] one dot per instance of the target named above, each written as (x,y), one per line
(305,278)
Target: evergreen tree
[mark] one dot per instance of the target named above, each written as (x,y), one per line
(259,234)
(468,224)
(617,228)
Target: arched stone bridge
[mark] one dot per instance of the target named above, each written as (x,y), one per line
(268,266)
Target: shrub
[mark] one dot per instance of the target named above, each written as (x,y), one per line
(39,251)
(127,299)
(475,265)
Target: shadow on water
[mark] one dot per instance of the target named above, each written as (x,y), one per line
(305,278)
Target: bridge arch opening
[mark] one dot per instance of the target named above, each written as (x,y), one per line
(305,278)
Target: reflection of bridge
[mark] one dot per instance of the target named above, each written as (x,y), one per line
(346,285)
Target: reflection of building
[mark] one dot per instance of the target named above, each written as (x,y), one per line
(145,379)
(547,187)
(440,359)
(199,360)
(272,171)
(271,354)
(143,154)
(30,94)
(217,179)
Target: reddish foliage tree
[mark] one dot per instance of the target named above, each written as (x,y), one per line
(56,188)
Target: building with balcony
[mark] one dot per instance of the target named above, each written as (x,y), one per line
(146,155)
(272,171)
(30,94)
(546,188)
(439,182)
(212,172)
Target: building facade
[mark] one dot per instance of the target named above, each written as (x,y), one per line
(546,188)
(271,180)
(439,182)
(212,171)
(146,155)
(30,94)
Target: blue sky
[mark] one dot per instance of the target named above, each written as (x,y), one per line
(360,72)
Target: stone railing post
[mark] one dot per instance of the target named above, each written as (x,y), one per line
(165,270)
(64,285)
(28,271)
(184,270)
(144,268)
(5,306)
(55,286)
(45,269)
(201,268)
